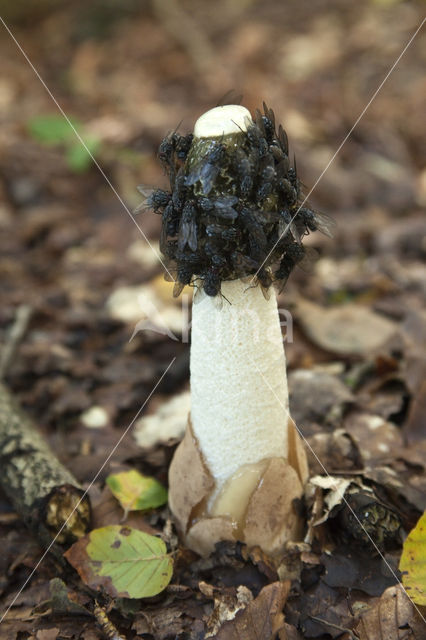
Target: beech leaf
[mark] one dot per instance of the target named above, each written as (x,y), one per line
(125,562)
(392,617)
(413,563)
(136,492)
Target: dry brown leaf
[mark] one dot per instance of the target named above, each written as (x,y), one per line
(106,511)
(227,603)
(336,451)
(316,396)
(348,329)
(47,634)
(392,617)
(375,437)
(261,619)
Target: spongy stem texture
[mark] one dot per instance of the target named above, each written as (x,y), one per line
(239,394)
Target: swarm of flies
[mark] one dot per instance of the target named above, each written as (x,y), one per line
(232,210)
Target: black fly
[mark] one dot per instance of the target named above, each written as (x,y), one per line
(188,227)
(233,210)
(294,254)
(207,169)
(316,221)
(220,207)
(155,199)
(216,231)
(212,281)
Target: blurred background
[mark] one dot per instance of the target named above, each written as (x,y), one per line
(127,73)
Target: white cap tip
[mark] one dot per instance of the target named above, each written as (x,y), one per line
(222,121)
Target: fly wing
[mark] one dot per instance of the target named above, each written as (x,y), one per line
(145,204)
(209,174)
(324,223)
(223,207)
(285,226)
(187,234)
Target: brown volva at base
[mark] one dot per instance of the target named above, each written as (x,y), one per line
(271,518)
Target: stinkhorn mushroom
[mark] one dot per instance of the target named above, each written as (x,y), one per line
(232,225)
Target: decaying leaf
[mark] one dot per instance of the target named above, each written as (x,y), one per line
(392,617)
(64,601)
(413,563)
(356,569)
(262,619)
(136,492)
(347,329)
(377,438)
(107,511)
(335,451)
(125,562)
(226,605)
(47,634)
(317,397)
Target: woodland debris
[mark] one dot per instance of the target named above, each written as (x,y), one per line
(43,492)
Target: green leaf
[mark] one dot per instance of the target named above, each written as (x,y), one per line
(136,492)
(413,563)
(78,157)
(125,562)
(52,129)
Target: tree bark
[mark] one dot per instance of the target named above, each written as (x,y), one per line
(42,491)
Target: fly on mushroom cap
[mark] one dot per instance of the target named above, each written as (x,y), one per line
(233,209)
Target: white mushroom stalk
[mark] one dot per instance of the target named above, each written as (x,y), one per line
(241,465)
(239,395)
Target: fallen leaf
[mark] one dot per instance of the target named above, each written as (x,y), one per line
(64,601)
(376,438)
(261,619)
(317,397)
(335,451)
(47,634)
(136,492)
(319,610)
(169,421)
(227,603)
(127,563)
(348,329)
(107,511)
(413,562)
(356,570)
(393,617)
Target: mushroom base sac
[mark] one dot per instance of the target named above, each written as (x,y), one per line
(271,517)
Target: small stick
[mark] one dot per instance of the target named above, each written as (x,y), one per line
(14,337)
(42,491)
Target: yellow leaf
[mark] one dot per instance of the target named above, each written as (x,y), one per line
(413,563)
(136,492)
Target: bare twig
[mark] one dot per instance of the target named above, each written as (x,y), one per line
(14,337)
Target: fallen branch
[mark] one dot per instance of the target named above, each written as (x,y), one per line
(42,491)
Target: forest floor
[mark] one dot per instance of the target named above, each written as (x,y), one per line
(72,256)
